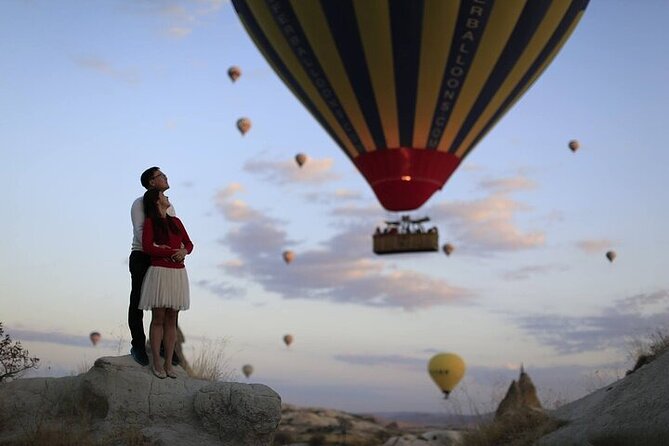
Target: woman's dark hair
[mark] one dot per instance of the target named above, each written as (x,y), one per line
(161,226)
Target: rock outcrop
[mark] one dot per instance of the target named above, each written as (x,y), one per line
(117,399)
(433,438)
(631,411)
(521,398)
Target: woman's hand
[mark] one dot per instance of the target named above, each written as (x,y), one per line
(179,255)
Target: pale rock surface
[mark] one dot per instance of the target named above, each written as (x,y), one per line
(117,395)
(432,438)
(631,411)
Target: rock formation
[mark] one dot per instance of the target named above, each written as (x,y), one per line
(520,398)
(631,411)
(117,398)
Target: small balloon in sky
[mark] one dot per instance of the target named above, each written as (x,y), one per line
(95,337)
(288,339)
(611,255)
(300,159)
(574,145)
(448,249)
(288,256)
(446,370)
(234,72)
(247,369)
(244,125)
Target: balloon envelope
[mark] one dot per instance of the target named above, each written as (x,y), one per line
(611,255)
(446,370)
(247,370)
(288,256)
(574,145)
(300,159)
(244,125)
(234,72)
(408,88)
(288,339)
(95,337)
(448,249)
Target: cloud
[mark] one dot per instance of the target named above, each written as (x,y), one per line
(315,171)
(220,289)
(340,271)
(374,360)
(531,270)
(507,185)
(234,210)
(338,196)
(183,16)
(56,337)
(486,225)
(105,68)
(594,246)
(636,315)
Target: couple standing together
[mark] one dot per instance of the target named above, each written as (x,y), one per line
(159,279)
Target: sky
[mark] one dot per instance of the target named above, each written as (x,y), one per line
(93,93)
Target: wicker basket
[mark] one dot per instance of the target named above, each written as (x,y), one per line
(390,243)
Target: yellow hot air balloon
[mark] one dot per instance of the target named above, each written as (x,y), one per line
(408,88)
(446,370)
(574,145)
(244,125)
(95,337)
(448,249)
(611,255)
(247,369)
(288,256)
(300,159)
(288,339)
(234,72)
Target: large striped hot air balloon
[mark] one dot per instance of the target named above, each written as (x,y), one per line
(407,88)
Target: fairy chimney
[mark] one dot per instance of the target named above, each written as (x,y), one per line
(521,396)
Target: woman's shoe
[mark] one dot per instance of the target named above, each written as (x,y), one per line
(171,373)
(160,374)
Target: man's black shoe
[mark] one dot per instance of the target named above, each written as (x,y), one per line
(175,357)
(139,356)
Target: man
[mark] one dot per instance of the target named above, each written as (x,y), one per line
(151,178)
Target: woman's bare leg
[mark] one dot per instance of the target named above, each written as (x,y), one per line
(170,335)
(156,335)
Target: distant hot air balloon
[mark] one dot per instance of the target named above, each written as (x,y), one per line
(408,88)
(574,145)
(446,370)
(95,337)
(244,125)
(611,255)
(288,339)
(288,256)
(234,72)
(448,249)
(300,159)
(247,369)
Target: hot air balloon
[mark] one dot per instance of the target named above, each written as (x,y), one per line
(448,249)
(244,125)
(611,255)
(574,145)
(95,337)
(288,339)
(300,159)
(408,88)
(234,72)
(247,369)
(446,370)
(288,256)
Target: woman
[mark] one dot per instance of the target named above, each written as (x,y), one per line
(165,289)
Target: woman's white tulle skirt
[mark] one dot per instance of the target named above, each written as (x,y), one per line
(165,288)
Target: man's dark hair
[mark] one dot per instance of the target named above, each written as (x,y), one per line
(147,176)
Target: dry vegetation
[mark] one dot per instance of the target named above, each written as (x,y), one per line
(520,430)
(211,363)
